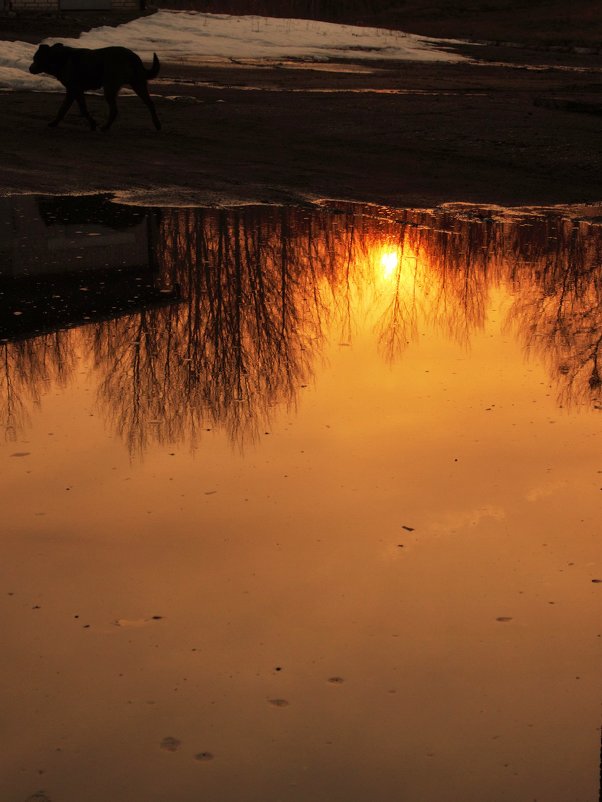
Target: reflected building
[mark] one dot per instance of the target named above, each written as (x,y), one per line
(255,294)
(74,234)
(66,261)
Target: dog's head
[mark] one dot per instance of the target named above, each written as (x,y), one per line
(48,59)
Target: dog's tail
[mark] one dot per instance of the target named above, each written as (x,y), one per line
(154,70)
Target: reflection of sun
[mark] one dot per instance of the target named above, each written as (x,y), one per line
(389,261)
(395,266)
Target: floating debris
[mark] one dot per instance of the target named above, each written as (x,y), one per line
(134,623)
(278,702)
(170,744)
(203,757)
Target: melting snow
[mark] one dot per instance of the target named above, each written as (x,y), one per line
(185,36)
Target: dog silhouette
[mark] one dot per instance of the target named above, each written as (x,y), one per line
(107,68)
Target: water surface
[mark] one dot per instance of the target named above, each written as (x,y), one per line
(299,503)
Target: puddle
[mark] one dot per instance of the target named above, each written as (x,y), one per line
(321,494)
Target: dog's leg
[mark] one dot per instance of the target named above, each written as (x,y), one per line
(142,91)
(81,102)
(65,106)
(111,98)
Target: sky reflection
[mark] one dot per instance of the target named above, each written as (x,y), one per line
(315,491)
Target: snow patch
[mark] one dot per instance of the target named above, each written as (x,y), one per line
(189,36)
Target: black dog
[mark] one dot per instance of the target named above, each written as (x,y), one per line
(108,68)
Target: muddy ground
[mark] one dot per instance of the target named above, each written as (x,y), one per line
(521,126)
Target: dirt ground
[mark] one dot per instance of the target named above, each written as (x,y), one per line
(521,126)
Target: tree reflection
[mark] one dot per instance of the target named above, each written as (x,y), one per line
(262,290)
(242,340)
(559,314)
(27,368)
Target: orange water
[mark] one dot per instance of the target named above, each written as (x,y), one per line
(332,516)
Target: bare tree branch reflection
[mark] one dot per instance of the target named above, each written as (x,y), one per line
(241,341)
(27,369)
(559,314)
(263,289)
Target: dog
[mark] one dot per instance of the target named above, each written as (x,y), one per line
(108,68)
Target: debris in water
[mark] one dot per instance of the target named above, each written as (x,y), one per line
(135,622)
(278,702)
(170,744)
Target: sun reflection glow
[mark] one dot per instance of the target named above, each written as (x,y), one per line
(389,261)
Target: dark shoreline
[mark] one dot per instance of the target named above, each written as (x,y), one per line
(521,127)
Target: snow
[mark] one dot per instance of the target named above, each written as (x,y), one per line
(15,58)
(189,36)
